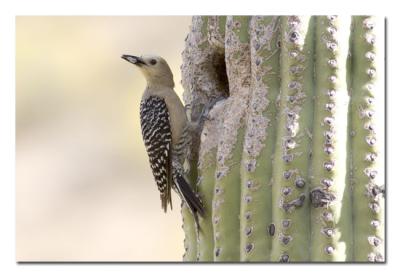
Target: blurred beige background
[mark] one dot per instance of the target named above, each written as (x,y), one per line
(84,187)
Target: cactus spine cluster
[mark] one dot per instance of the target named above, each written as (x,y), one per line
(290,162)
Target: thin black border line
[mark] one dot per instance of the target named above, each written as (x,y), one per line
(38,263)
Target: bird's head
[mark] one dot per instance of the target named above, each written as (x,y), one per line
(154,68)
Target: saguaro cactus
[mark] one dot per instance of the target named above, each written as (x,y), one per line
(290,162)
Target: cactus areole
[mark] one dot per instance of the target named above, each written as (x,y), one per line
(290,162)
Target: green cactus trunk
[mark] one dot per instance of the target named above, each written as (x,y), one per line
(331,226)
(289,164)
(260,135)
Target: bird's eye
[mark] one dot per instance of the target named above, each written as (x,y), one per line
(153,61)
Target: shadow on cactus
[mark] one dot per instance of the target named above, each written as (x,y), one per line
(290,163)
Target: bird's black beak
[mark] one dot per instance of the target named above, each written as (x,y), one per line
(133,59)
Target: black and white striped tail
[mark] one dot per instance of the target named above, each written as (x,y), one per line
(188,196)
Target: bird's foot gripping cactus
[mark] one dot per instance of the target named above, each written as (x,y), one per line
(290,165)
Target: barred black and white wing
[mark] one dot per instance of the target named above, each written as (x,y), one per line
(157,137)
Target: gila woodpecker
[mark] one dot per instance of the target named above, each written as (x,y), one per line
(165,131)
